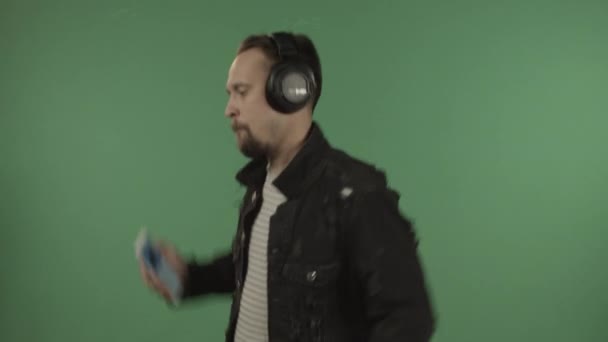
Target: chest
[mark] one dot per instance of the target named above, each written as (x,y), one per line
(304,230)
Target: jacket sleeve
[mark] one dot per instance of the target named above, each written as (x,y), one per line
(214,277)
(382,250)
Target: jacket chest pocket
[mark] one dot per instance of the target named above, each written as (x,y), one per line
(313,275)
(312,289)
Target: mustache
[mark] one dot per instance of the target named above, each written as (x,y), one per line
(236,126)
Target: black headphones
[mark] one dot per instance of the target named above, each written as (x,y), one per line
(291,82)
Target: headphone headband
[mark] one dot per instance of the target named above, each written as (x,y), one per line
(285,44)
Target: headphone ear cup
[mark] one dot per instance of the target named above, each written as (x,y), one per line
(289,87)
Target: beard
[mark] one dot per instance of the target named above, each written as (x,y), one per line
(250,146)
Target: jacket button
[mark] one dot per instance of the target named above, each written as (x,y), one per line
(311,276)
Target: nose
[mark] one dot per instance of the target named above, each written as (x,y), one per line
(231,110)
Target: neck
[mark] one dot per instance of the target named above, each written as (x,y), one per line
(287,149)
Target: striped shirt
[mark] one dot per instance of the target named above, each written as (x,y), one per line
(252,324)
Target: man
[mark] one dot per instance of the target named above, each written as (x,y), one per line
(321,250)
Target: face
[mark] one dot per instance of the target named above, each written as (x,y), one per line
(255,124)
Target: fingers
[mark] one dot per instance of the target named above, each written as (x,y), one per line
(144,274)
(172,256)
(152,281)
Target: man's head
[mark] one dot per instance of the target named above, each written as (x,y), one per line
(260,128)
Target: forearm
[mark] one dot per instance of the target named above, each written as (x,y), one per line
(215,277)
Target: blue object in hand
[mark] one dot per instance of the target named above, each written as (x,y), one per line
(157,264)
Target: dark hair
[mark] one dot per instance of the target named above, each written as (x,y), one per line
(307,52)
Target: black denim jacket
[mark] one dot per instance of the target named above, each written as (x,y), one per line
(342,259)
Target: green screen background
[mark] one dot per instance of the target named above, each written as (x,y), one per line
(489,118)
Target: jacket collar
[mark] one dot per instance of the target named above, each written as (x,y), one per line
(303,169)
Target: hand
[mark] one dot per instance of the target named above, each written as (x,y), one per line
(174,259)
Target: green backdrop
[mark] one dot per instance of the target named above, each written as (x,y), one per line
(490,119)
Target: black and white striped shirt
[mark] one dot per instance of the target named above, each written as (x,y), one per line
(252,325)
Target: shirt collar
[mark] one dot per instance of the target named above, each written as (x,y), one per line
(303,169)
